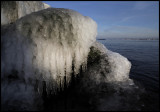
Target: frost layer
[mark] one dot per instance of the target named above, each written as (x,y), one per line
(47,45)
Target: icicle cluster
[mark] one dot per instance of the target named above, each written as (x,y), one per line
(46,44)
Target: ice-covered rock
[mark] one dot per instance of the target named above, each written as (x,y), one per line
(105,67)
(46,44)
(106,81)
(108,66)
(42,50)
(13,10)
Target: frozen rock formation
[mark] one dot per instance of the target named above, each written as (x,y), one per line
(13,10)
(105,66)
(106,81)
(41,51)
(46,44)
(119,66)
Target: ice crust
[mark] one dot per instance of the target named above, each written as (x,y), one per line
(46,44)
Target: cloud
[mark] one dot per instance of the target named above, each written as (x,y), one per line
(141,5)
(128,32)
(127,18)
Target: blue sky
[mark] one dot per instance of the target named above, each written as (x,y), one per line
(118,19)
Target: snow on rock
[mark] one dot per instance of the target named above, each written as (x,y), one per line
(46,44)
(13,10)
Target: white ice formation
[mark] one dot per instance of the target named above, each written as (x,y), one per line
(108,66)
(119,65)
(13,10)
(46,44)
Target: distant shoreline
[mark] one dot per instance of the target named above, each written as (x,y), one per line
(141,38)
(101,39)
(130,38)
